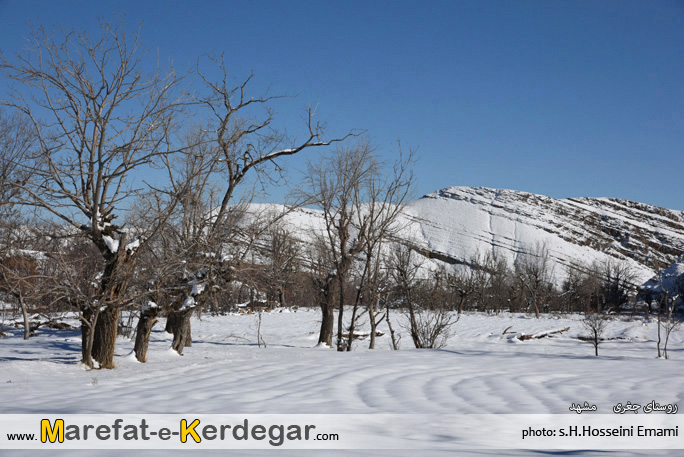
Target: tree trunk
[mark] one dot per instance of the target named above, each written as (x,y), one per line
(352,324)
(104,338)
(659,354)
(373,327)
(340,313)
(395,343)
(148,317)
(414,324)
(460,304)
(27,330)
(117,272)
(325,336)
(178,323)
(373,312)
(88,323)
(327,324)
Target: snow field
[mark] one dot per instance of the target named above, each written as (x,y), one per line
(225,372)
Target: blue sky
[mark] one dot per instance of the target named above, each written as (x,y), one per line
(563,98)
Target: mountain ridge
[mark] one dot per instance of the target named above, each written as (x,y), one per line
(460,221)
(454,224)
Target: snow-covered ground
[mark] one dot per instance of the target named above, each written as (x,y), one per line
(481,370)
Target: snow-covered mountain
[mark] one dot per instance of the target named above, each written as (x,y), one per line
(670,280)
(453,224)
(456,222)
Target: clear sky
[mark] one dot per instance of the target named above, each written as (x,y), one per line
(562,98)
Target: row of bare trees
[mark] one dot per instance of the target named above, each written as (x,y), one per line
(529,285)
(102,141)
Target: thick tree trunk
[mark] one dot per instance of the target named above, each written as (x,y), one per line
(327,324)
(104,340)
(117,272)
(178,323)
(326,288)
(148,317)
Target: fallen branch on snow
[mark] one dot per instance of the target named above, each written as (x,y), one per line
(536,336)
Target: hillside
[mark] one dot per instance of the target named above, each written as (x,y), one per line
(456,222)
(453,224)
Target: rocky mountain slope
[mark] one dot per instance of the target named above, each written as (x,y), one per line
(457,222)
(454,224)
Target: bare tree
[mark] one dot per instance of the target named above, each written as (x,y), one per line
(618,284)
(359,203)
(96,117)
(668,298)
(245,143)
(404,269)
(594,324)
(18,277)
(378,216)
(283,262)
(75,276)
(332,184)
(581,289)
(425,299)
(17,270)
(534,271)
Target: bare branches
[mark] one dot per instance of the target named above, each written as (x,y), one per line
(96,114)
(360,202)
(245,138)
(594,324)
(93,120)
